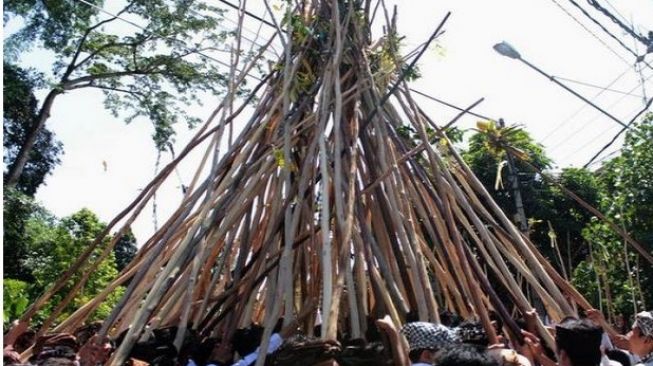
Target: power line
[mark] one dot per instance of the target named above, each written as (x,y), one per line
(596,37)
(606,157)
(647,42)
(638,58)
(569,136)
(646,107)
(589,142)
(616,10)
(596,86)
(242,36)
(182,43)
(249,13)
(602,27)
(582,107)
(451,105)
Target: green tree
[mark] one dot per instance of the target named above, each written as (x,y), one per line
(152,72)
(18,208)
(543,202)
(626,197)
(20,113)
(125,250)
(567,217)
(54,246)
(15,299)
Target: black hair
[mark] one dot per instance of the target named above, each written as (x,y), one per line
(494,316)
(246,340)
(415,355)
(450,319)
(465,355)
(372,333)
(581,341)
(202,352)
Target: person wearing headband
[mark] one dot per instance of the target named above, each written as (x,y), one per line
(640,338)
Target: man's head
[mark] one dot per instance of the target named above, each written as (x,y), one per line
(578,343)
(426,339)
(640,337)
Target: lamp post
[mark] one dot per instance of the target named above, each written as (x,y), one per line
(505,49)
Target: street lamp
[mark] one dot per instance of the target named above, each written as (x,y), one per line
(505,49)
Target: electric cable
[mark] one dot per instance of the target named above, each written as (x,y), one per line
(582,107)
(451,105)
(584,83)
(269,51)
(646,107)
(584,125)
(646,42)
(596,37)
(616,10)
(637,57)
(603,28)
(266,22)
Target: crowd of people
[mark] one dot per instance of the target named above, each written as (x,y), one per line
(578,342)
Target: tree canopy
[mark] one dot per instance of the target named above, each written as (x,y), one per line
(48,247)
(154,70)
(614,276)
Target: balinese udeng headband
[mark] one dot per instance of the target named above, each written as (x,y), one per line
(644,321)
(423,335)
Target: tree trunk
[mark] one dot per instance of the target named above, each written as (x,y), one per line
(16,169)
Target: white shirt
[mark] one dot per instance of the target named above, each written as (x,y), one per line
(275,343)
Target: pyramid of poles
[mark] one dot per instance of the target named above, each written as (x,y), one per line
(323,204)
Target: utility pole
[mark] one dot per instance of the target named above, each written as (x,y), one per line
(513,177)
(638,66)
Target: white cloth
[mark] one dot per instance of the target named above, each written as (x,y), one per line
(275,342)
(606,343)
(605,361)
(649,363)
(421,364)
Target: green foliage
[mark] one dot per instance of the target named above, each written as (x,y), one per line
(42,247)
(15,299)
(20,114)
(544,203)
(18,208)
(52,23)
(125,250)
(607,268)
(154,72)
(486,151)
(626,197)
(56,247)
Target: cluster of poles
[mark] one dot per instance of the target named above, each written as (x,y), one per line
(320,205)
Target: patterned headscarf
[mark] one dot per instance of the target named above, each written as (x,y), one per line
(423,335)
(644,321)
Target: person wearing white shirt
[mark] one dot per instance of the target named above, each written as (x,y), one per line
(640,338)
